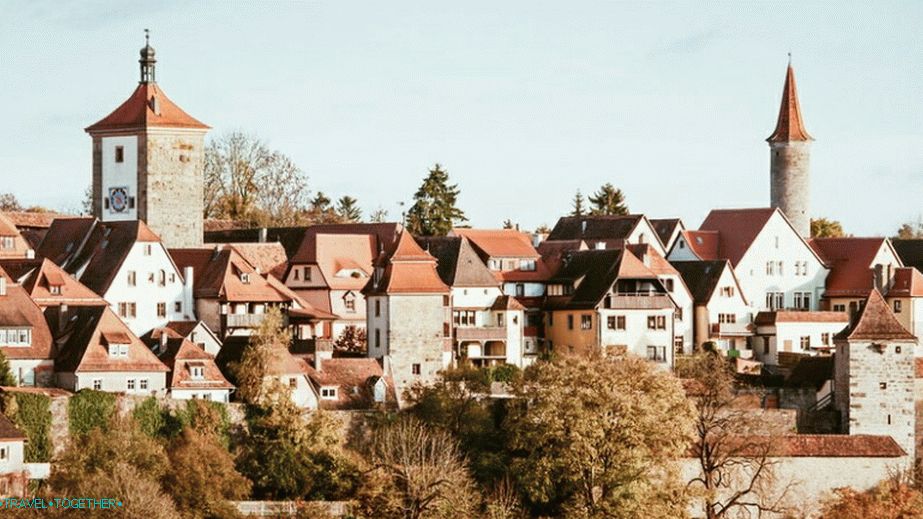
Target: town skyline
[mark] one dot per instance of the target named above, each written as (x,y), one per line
(507,104)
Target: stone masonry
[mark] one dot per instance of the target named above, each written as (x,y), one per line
(790,188)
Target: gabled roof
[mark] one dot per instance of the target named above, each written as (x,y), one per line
(268,257)
(665,228)
(218,273)
(344,260)
(20,245)
(406,269)
(876,322)
(652,259)
(910,252)
(180,356)
(702,277)
(17,310)
(594,227)
(789,126)
(65,237)
(83,345)
(499,243)
(850,261)
(384,234)
(352,376)
(458,263)
(704,244)
(737,228)
(908,282)
(39,275)
(147,107)
(595,271)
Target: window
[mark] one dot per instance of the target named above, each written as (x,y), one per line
(570,322)
(297,273)
(657,353)
(131,384)
(882,385)
(803,300)
(775,300)
(446,301)
(3,453)
(162,278)
(669,284)
(132,278)
(586,322)
(198,372)
(377,308)
(350,304)
(119,154)
(727,318)
(839,308)
(293,382)
(656,322)
(15,337)
(377,338)
(825,339)
(446,330)
(727,291)
(678,344)
(307,273)
(161,309)
(245,278)
(415,369)
(55,290)
(520,290)
(147,249)
(7,242)
(528,265)
(173,278)
(678,314)
(143,384)
(620,322)
(499,319)
(610,322)
(897,306)
(770,268)
(97,384)
(805,342)
(464,317)
(178,306)
(127,310)
(328,393)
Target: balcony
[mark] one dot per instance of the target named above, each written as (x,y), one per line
(243,320)
(480,333)
(732,329)
(637,300)
(492,350)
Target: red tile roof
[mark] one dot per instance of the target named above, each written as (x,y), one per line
(33,219)
(908,282)
(217,274)
(353,378)
(180,356)
(837,446)
(38,276)
(147,107)
(268,257)
(84,344)
(704,244)
(20,245)
(850,261)
(653,260)
(876,322)
(500,243)
(17,310)
(407,269)
(789,126)
(339,256)
(737,229)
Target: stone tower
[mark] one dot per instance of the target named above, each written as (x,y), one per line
(874,375)
(790,156)
(148,163)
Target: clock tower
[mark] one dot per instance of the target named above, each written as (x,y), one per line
(148,162)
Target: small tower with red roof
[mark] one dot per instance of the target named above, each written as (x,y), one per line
(790,160)
(148,162)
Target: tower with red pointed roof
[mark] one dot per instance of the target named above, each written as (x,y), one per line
(790,154)
(148,162)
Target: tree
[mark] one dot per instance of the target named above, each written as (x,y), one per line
(348,210)
(508,224)
(417,472)
(910,230)
(6,374)
(737,472)
(252,370)
(599,438)
(543,229)
(352,339)
(9,202)
(826,228)
(202,477)
(321,210)
(248,182)
(434,212)
(577,205)
(893,498)
(608,201)
(379,215)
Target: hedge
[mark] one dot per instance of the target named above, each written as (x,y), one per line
(31,413)
(89,409)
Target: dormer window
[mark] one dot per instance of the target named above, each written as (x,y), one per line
(118,350)
(328,393)
(245,278)
(307,273)
(55,290)
(197,371)
(16,337)
(7,242)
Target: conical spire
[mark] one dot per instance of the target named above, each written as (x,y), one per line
(790,127)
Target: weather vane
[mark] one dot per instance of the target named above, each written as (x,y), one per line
(147,37)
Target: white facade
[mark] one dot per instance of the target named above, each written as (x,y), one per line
(638,337)
(685,318)
(14,460)
(203,337)
(507,324)
(790,336)
(727,317)
(302,391)
(129,382)
(213,395)
(119,178)
(32,372)
(148,278)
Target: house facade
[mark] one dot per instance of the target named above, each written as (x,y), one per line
(857,266)
(905,297)
(722,315)
(788,332)
(673,282)
(25,337)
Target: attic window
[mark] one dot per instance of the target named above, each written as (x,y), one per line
(197,371)
(7,242)
(147,249)
(55,290)
(245,278)
(16,337)
(118,350)
(328,393)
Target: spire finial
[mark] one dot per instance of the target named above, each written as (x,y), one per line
(147,60)
(147,39)
(789,58)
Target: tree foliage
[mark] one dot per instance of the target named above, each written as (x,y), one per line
(352,339)
(578,206)
(893,498)
(252,370)
(598,438)
(910,230)
(434,211)
(608,201)
(246,181)
(826,228)
(348,210)
(88,410)
(31,412)
(9,202)
(6,374)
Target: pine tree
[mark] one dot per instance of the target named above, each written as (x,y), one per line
(434,212)
(608,201)
(348,210)
(321,211)
(577,204)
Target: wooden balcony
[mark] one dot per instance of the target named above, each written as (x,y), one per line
(243,320)
(732,329)
(480,333)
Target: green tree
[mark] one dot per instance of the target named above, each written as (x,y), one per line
(826,228)
(599,438)
(252,370)
(578,206)
(543,229)
(6,374)
(434,212)
(348,210)
(352,339)
(910,230)
(608,201)
(379,215)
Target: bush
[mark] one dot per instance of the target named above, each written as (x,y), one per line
(150,416)
(88,410)
(32,415)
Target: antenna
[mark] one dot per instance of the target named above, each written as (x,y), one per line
(789,59)
(147,38)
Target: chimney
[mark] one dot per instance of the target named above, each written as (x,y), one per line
(323,350)
(188,285)
(163,340)
(263,233)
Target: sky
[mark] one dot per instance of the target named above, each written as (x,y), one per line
(522,102)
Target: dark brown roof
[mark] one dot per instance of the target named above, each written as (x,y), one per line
(811,371)
(458,263)
(665,227)
(83,345)
(8,430)
(594,227)
(789,126)
(147,107)
(597,271)
(876,322)
(701,277)
(910,252)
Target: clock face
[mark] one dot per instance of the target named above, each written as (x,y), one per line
(118,199)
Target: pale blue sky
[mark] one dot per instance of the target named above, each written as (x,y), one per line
(523,102)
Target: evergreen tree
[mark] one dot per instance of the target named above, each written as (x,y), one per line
(379,215)
(348,210)
(321,210)
(578,206)
(6,374)
(434,212)
(508,224)
(608,201)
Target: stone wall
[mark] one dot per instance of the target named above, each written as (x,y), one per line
(790,186)
(415,337)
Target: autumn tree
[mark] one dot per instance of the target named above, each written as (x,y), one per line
(348,210)
(737,472)
(826,228)
(9,202)
(543,229)
(246,181)
(599,437)
(6,374)
(893,498)
(608,201)
(321,209)
(578,207)
(434,212)
(416,472)
(352,339)
(910,230)
(252,369)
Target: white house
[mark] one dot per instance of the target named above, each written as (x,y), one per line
(126,264)
(197,332)
(683,319)
(14,477)
(96,350)
(807,333)
(193,372)
(775,266)
(25,338)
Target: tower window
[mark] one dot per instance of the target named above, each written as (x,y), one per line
(120,154)
(882,385)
